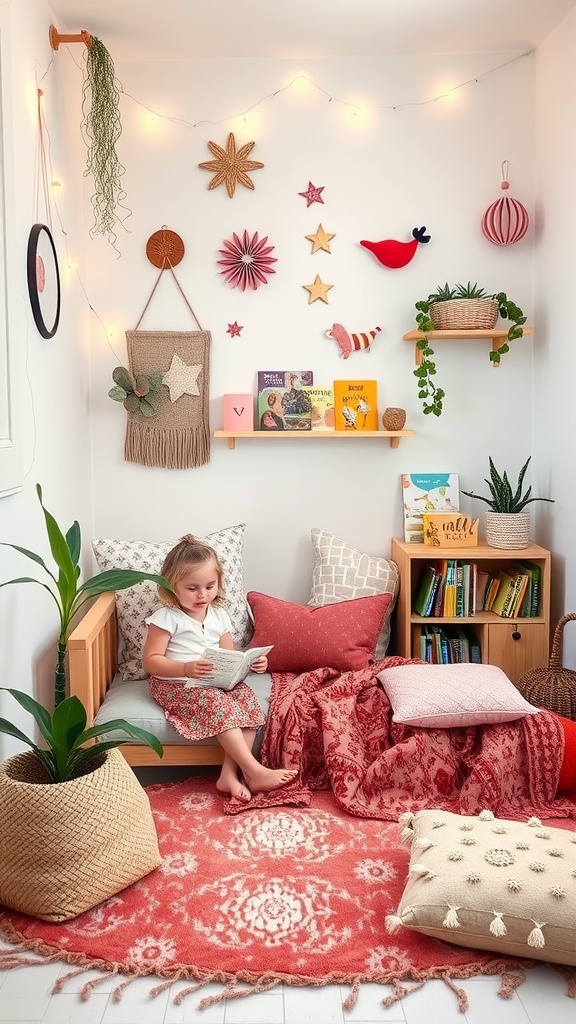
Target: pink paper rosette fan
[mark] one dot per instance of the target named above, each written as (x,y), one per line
(505,221)
(246,261)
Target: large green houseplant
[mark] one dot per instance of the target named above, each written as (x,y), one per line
(65,587)
(459,300)
(75,824)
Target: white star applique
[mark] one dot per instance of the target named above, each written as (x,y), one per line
(181,379)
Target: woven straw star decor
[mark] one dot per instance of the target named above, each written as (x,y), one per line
(231,165)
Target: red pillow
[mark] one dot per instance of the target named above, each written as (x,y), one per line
(342,636)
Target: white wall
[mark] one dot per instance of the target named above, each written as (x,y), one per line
(554,405)
(383,174)
(436,164)
(54,378)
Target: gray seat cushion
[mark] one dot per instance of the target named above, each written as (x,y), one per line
(131,700)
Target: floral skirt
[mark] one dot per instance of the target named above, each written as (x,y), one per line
(199,712)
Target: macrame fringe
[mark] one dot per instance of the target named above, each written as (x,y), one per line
(167,448)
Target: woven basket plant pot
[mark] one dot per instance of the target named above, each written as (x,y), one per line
(552,687)
(67,846)
(464,314)
(509,530)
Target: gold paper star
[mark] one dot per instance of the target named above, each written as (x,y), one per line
(231,165)
(321,240)
(318,290)
(181,379)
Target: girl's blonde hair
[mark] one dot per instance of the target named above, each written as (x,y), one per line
(189,553)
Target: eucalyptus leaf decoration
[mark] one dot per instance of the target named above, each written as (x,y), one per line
(138,394)
(101,128)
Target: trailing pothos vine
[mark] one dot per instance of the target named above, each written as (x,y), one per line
(429,392)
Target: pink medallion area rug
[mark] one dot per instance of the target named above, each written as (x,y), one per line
(294,895)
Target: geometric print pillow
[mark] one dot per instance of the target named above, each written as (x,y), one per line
(136,603)
(490,883)
(342,573)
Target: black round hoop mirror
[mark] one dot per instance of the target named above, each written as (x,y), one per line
(43,280)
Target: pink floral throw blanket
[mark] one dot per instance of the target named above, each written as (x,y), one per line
(338,730)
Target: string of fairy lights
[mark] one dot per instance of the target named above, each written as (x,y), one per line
(296,82)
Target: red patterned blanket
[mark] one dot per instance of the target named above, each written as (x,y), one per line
(338,730)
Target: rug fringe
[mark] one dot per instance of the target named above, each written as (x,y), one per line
(570,975)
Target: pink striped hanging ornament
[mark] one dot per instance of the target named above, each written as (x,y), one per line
(505,221)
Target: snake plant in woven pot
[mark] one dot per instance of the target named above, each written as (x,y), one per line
(507,522)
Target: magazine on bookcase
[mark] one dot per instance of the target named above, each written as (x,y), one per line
(282,401)
(355,405)
(427,492)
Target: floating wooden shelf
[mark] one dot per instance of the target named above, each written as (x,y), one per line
(311,435)
(496,337)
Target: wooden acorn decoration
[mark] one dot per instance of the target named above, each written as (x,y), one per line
(393,418)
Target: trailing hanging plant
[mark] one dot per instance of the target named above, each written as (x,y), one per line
(137,393)
(433,396)
(101,129)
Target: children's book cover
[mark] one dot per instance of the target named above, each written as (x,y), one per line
(322,407)
(282,402)
(427,492)
(356,405)
(283,409)
(284,379)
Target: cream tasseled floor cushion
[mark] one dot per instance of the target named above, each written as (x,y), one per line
(490,883)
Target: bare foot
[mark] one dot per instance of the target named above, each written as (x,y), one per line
(262,779)
(229,784)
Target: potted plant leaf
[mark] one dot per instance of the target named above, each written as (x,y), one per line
(75,823)
(507,522)
(462,307)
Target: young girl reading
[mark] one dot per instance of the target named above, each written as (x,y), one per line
(190,619)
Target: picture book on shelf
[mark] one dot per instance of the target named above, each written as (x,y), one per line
(322,407)
(427,492)
(356,405)
(283,403)
(230,667)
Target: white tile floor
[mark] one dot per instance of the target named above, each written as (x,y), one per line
(26,998)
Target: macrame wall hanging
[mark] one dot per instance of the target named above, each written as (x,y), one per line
(177,435)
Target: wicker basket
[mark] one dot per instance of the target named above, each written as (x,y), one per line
(65,847)
(554,687)
(464,314)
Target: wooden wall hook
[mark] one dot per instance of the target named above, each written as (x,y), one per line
(57,37)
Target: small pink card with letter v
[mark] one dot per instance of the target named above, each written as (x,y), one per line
(238,412)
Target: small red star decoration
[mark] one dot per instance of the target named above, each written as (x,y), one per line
(234,330)
(312,194)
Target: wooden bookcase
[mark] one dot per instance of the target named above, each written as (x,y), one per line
(515,645)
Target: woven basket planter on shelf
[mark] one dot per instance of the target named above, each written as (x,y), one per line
(67,846)
(508,530)
(464,314)
(554,687)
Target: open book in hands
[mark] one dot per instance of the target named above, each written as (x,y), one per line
(229,667)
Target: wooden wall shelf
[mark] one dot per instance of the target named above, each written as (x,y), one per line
(311,435)
(495,336)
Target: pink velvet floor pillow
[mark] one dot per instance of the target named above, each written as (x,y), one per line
(342,636)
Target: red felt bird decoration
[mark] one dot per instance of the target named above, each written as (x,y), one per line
(394,254)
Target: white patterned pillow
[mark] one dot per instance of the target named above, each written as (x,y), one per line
(449,696)
(342,573)
(490,883)
(136,603)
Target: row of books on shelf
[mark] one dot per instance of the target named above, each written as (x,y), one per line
(448,646)
(290,400)
(452,588)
